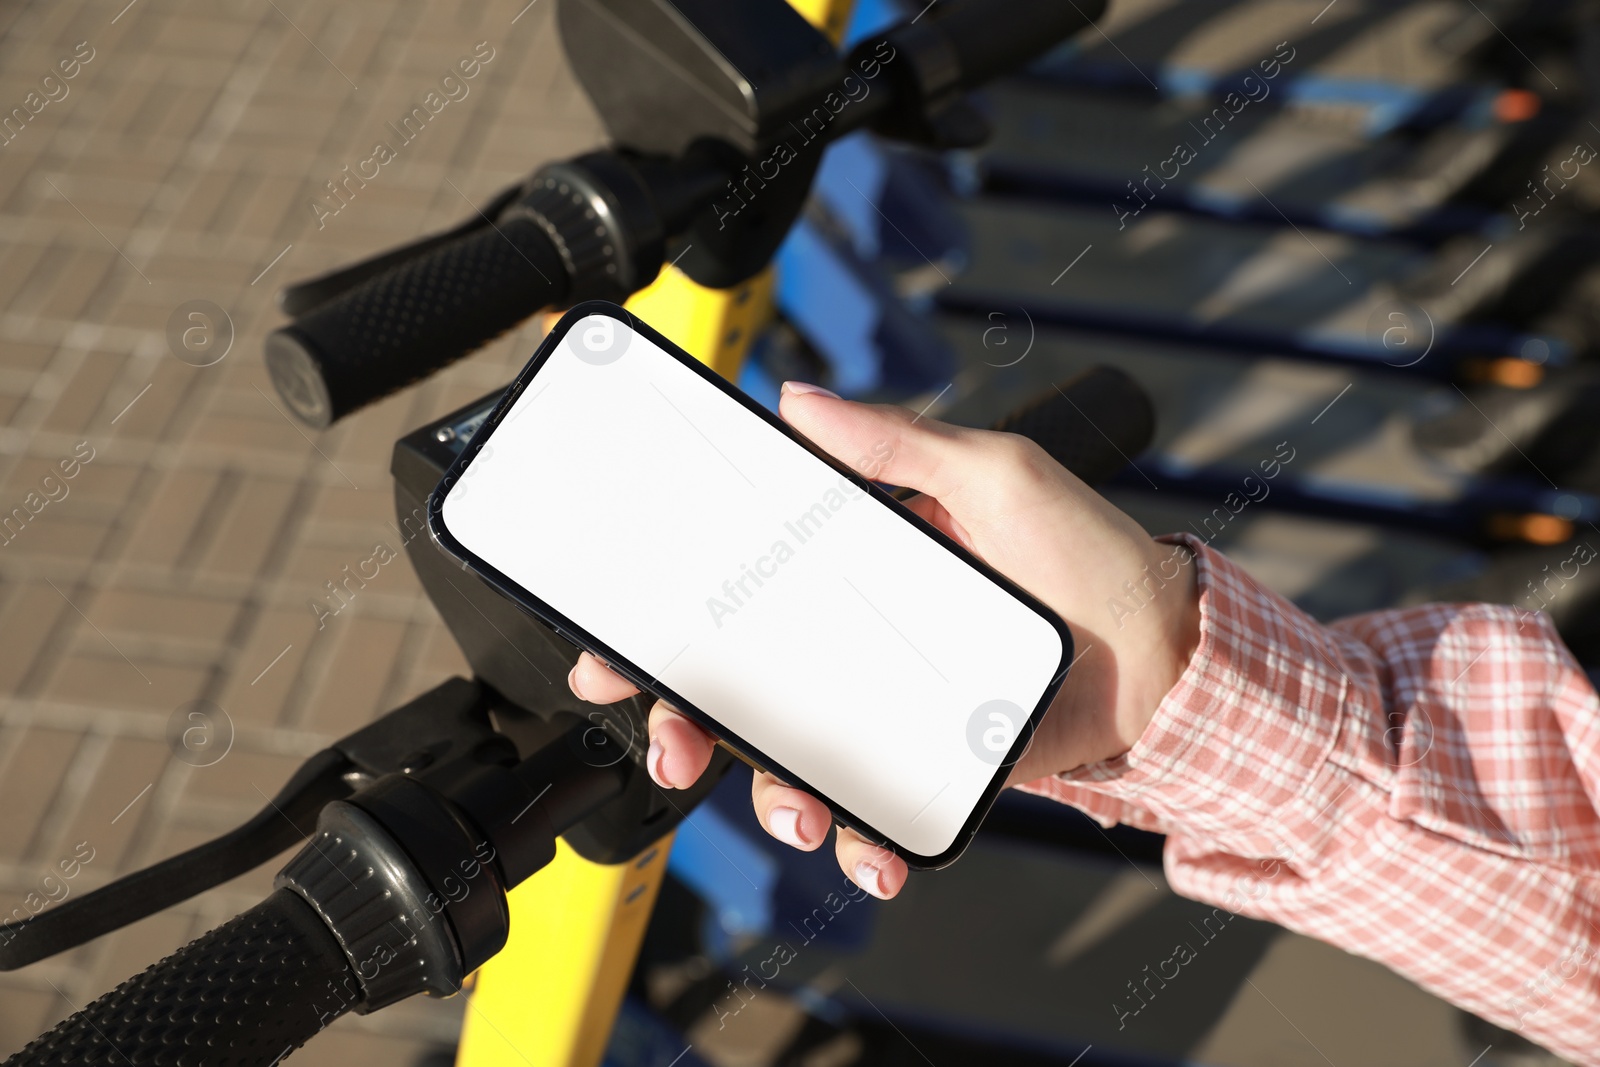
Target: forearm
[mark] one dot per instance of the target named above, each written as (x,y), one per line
(1416,787)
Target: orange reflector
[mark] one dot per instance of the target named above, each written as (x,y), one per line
(1535,529)
(1513,372)
(1516,105)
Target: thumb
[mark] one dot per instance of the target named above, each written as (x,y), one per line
(883,442)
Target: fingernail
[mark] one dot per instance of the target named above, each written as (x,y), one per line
(801,388)
(785,826)
(572,682)
(870,878)
(652,763)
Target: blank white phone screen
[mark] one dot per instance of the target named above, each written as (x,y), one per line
(732,566)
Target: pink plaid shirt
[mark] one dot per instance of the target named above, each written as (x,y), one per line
(1416,786)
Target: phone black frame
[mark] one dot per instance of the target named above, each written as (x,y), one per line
(567,629)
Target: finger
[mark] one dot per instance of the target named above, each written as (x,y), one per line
(593,681)
(886,443)
(791,815)
(679,750)
(938,516)
(872,867)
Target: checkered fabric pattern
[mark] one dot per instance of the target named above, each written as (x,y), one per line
(1415,786)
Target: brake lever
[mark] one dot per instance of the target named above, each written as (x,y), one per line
(440,736)
(287,818)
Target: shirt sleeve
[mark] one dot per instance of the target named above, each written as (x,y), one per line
(1415,786)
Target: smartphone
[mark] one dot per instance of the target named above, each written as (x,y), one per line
(651,513)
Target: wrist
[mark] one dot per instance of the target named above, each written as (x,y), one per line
(1124,668)
(1160,642)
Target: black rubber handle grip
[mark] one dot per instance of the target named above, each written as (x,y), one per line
(1093,425)
(409,322)
(247,993)
(303,297)
(993,37)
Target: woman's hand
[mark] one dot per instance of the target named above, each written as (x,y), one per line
(1020,511)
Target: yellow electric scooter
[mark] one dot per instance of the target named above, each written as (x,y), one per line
(495,832)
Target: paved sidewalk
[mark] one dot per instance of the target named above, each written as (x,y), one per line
(175,524)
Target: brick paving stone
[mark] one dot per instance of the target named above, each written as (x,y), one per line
(311,566)
(10,405)
(100,488)
(86,269)
(30,776)
(82,396)
(258,512)
(100,677)
(171,517)
(338,503)
(270,666)
(141,616)
(17,271)
(206,198)
(152,409)
(264,215)
(356,676)
(26,1012)
(24,477)
(126,107)
(115,804)
(27,615)
(239,434)
(27,357)
(60,538)
(205,262)
(201,38)
(14,177)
